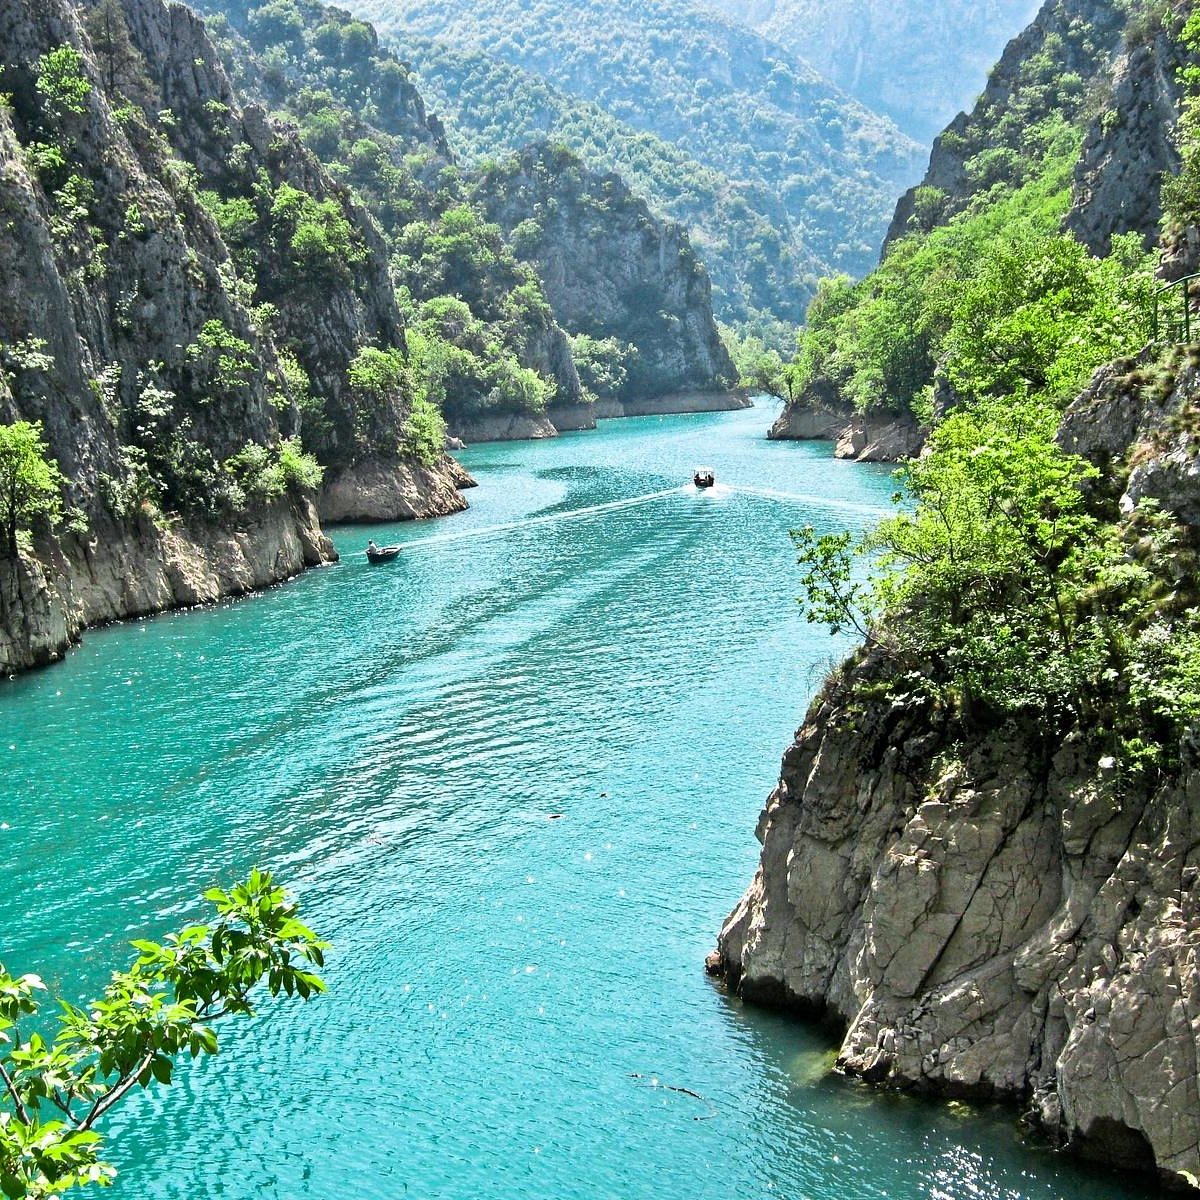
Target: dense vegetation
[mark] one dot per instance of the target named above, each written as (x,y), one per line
(811,164)
(918,64)
(1014,589)
(982,295)
(475,309)
(762,275)
(176,454)
(1181,194)
(30,483)
(57,1087)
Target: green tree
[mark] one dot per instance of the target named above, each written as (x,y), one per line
(30,483)
(61,83)
(987,587)
(54,1091)
(122,64)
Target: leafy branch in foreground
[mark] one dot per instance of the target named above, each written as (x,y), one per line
(53,1092)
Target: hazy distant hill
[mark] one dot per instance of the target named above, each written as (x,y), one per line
(918,61)
(814,166)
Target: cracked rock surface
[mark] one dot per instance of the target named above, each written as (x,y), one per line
(990,919)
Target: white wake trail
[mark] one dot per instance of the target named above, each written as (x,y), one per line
(866,510)
(573,514)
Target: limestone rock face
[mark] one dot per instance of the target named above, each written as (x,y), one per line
(1123,408)
(106,302)
(377,490)
(47,600)
(989,911)
(880,437)
(993,919)
(805,422)
(820,415)
(505,427)
(1083,36)
(1128,149)
(611,269)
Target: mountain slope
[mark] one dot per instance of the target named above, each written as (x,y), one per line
(482,338)
(1072,131)
(741,229)
(724,96)
(918,63)
(612,271)
(171,390)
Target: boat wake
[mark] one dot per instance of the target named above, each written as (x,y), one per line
(591,510)
(866,510)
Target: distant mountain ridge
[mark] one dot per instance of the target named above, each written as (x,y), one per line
(724,96)
(918,64)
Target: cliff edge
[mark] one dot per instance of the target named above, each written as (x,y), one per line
(1004,909)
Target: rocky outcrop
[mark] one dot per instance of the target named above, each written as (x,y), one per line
(611,269)
(504,427)
(1082,39)
(1129,148)
(48,599)
(819,415)
(880,437)
(1145,415)
(375,490)
(687,401)
(805,422)
(573,418)
(1000,911)
(993,918)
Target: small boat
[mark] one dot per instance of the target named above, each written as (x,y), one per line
(381,554)
(704,477)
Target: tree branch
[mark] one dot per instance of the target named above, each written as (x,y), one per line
(10,1087)
(115,1093)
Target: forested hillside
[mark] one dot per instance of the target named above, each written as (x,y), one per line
(760,271)
(481,336)
(725,97)
(980,292)
(917,62)
(357,111)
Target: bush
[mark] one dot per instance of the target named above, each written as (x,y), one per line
(31,484)
(425,432)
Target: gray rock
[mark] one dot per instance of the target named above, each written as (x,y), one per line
(610,268)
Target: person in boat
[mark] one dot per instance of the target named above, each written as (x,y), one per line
(371,547)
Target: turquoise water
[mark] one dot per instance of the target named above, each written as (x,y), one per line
(513,998)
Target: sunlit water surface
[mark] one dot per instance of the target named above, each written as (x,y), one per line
(514,777)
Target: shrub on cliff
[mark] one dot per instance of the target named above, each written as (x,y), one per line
(1009,590)
(31,484)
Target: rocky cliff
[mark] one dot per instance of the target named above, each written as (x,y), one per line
(173,376)
(1008,910)
(1073,134)
(1130,145)
(1056,65)
(612,270)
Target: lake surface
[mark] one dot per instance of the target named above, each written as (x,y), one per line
(514,999)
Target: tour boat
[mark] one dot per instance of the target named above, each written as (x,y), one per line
(381,554)
(704,477)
